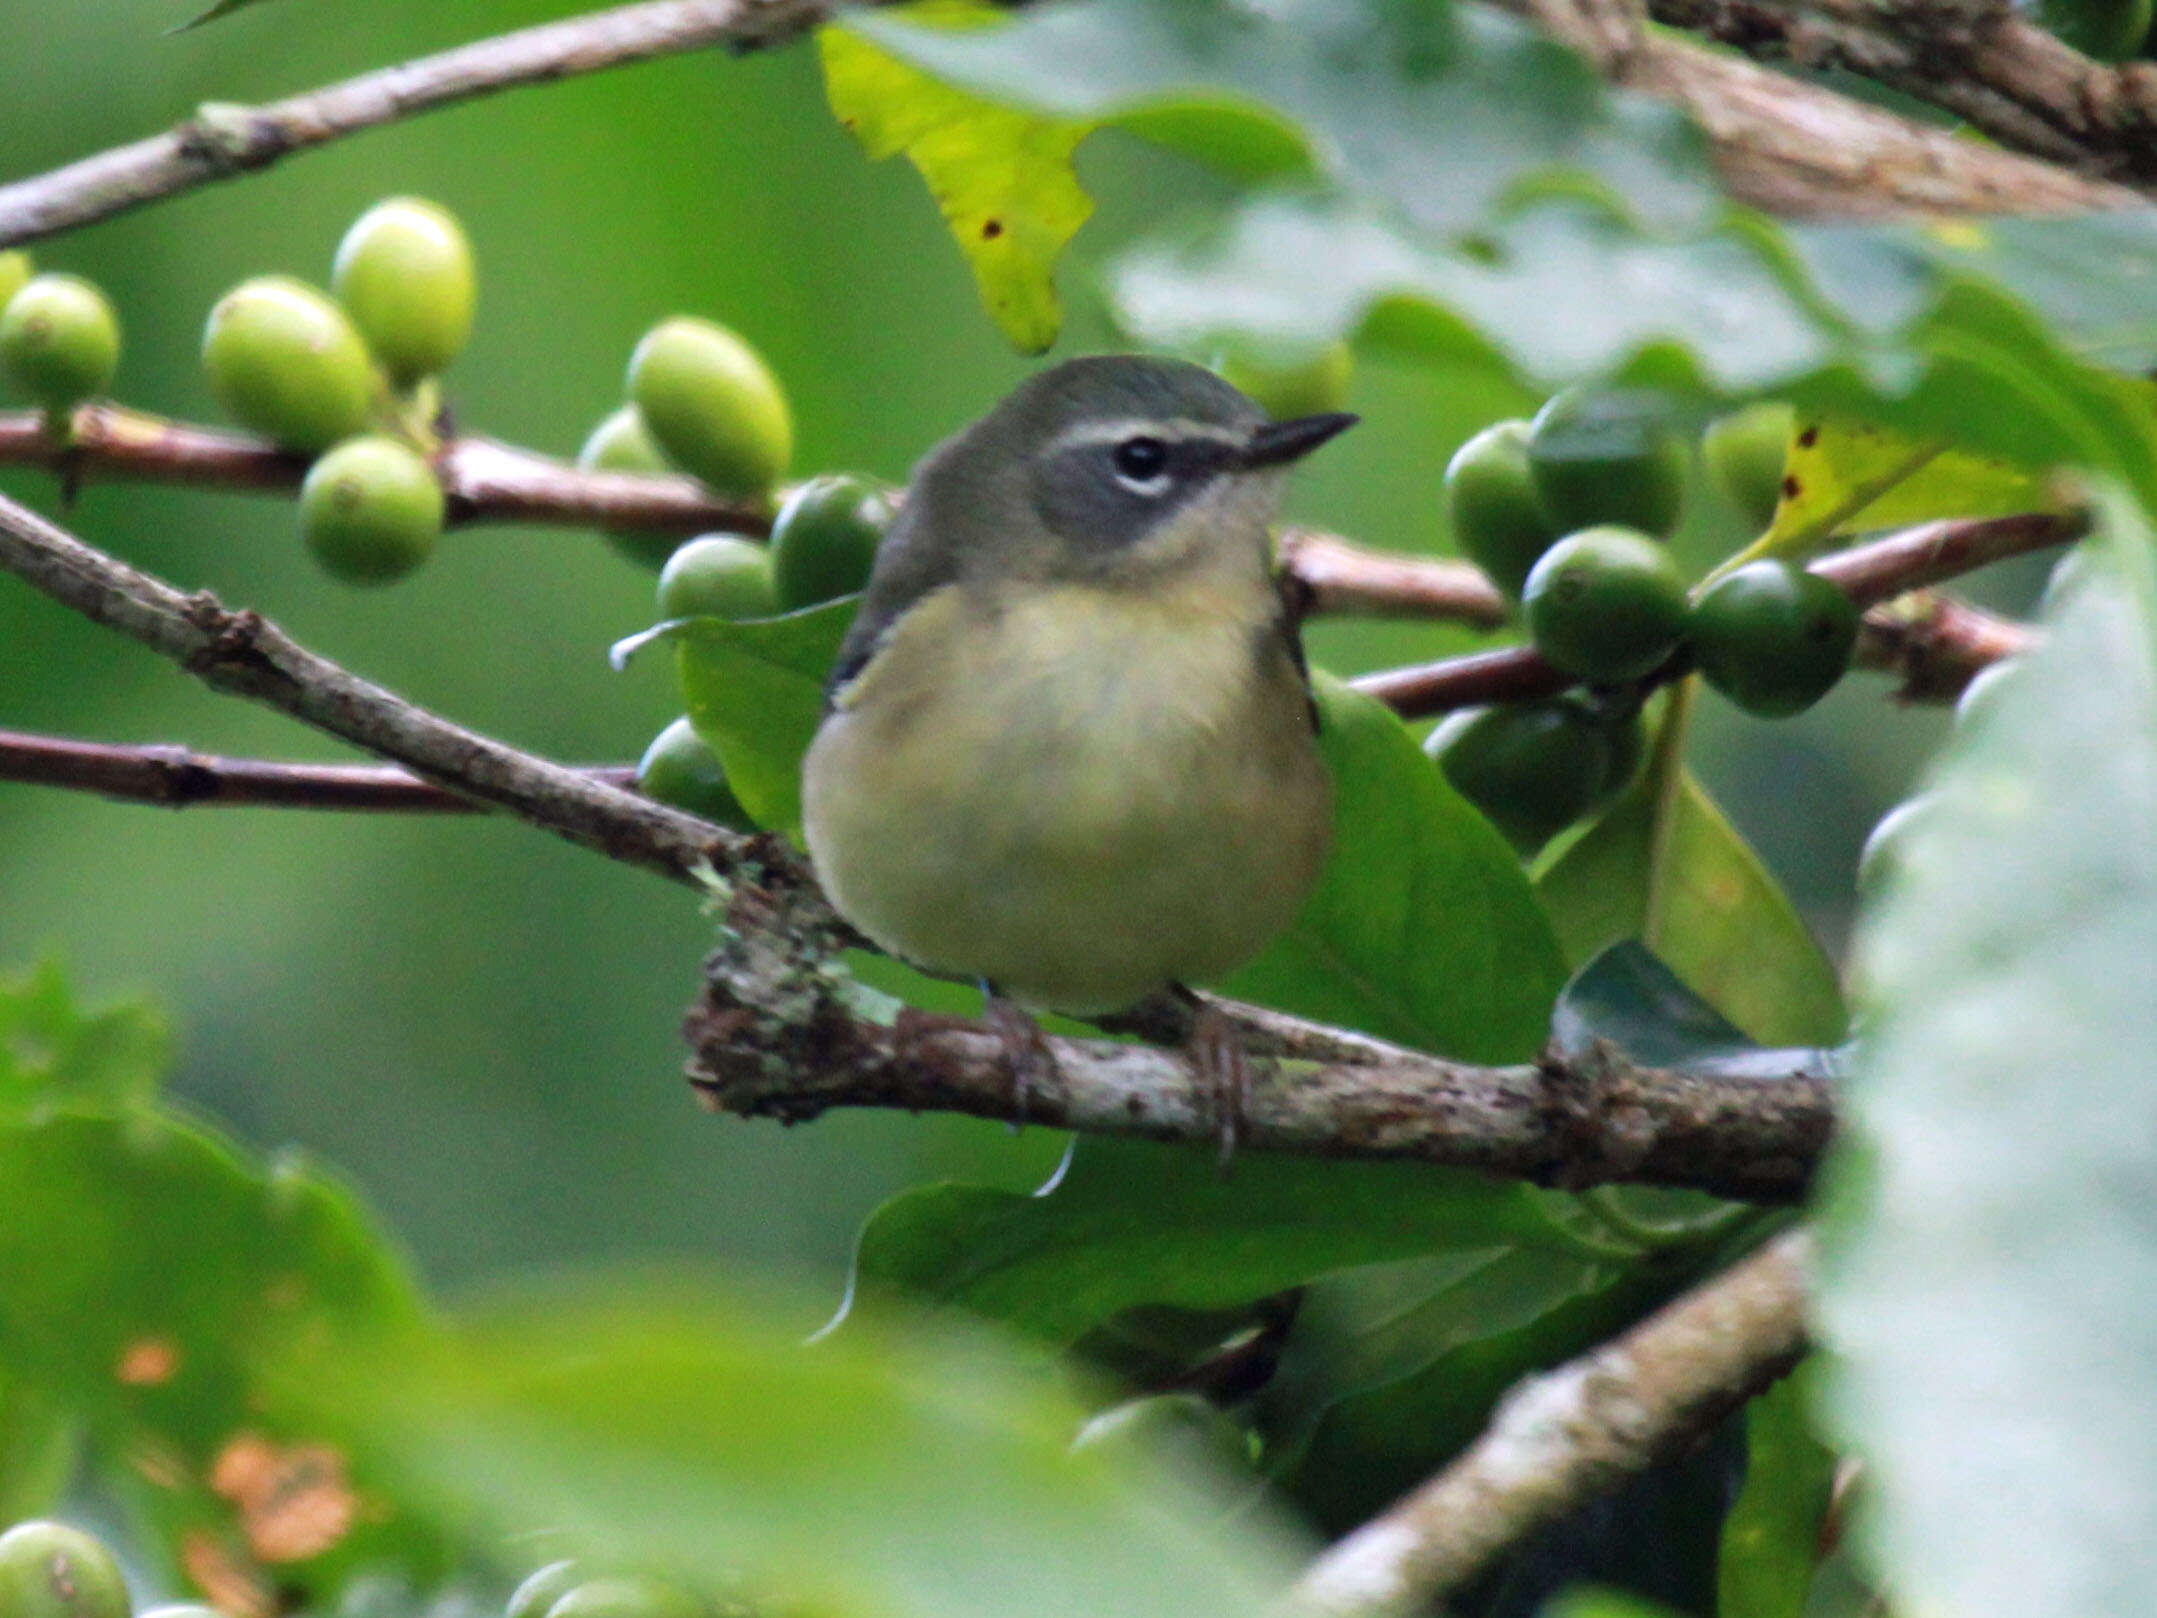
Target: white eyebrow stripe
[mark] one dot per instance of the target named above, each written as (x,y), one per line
(1178,429)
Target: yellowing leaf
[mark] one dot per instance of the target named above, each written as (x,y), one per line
(1001,178)
(1843,476)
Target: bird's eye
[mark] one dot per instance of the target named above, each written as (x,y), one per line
(1142,464)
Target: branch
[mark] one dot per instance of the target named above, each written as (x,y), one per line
(241,652)
(1348,580)
(223,140)
(779,1033)
(1565,1437)
(485,481)
(1936,645)
(1871,573)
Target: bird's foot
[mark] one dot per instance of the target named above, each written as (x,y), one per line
(1031,1063)
(1223,1073)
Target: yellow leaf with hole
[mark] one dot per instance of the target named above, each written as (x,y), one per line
(1001,178)
(1844,476)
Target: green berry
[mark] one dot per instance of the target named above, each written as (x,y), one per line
(680,768)
(1490,502)
(15,272)
(59,341)
(1182,1425)
(1887,849)
(718,576)
(2105,30)
(404,274)
(824,538)
(628,1595)
(180,1609)
(622,443)
(1606,604)
(1607,456)
(713,405)
(371,510)
(283,359)
(1308,387)
(1745,452)
(536,1596)
(1533,768)
(1773,638)
(49,1570)
(1627,737)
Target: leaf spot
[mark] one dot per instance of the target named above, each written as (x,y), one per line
(147,1362)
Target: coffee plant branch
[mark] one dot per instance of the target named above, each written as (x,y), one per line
(222,140)
(1566,1436)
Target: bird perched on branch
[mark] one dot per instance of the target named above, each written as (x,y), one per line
(1068,748)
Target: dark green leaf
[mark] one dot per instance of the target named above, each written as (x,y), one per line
(53,1054)
(1771,1539)
(1422,928)
(1627,998)
(1987,1289)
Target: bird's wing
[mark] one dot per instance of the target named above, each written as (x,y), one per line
(1295,598)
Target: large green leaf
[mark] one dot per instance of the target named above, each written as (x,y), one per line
(1134,1223)
(54,1054)
(1987,1287)
(156,1287)
(1001,178)
(906,1474)
(1771,1539)
(1721,923)
(1422,928)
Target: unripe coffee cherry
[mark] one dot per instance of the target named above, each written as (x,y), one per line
(371,510)
(180,1609)
(1533,768)
(1490,503)
(1745,452)
(59,341)
(283,359)
(544,1587)
(1773,638)
(628,1595)
(622,443)
(404,274)
(713,406)
(49,1570)
(1140,1432)
(1308,387)
(2107,30)
(1607,456)
(824,538)
(15,273)
(680,768)
(1606,604)
(718,576)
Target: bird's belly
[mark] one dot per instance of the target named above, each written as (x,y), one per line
(1079,833)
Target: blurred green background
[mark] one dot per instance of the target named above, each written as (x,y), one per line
(475,1022)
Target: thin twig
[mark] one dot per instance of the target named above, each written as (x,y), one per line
(223,140)
(1936,645)
(1563,1438)
(240,651)
(1348,580)
(1910,559)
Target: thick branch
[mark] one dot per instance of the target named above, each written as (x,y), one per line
(778,1034)
(1872,573)
(222,140)
(241,652)
(486,481)
(1563,1438)
(1936,645)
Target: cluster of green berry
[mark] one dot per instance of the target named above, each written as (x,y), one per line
(572,1589)
(347,377)
(1567,514)
(49,1570)
(59,339)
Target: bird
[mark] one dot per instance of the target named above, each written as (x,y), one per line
(1069,747)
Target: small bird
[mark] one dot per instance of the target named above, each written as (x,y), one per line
(1068,749)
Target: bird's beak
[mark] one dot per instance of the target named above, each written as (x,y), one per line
(1279,442)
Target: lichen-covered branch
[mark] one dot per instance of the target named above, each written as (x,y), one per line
(222,140)
(1567,1436)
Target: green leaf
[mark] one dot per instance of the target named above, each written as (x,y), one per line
(1592,1603)
(1723,925)
(1771,1539)
(1843,476)
(154,1287)
(54,1055)
(1377,87)
(1422,928)
(910,1474)
(37,1451)
(755,693)
(1134,1223)
(1987,1287)
(1001,178)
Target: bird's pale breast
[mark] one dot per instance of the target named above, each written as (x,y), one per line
(1081,795)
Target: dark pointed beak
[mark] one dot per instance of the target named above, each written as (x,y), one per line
(1279,442)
